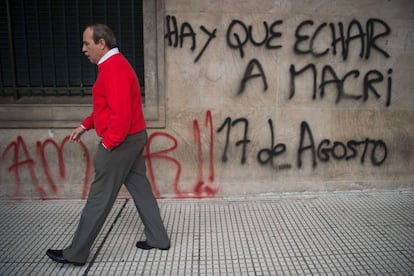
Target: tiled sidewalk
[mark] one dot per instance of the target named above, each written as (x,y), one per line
(344,233)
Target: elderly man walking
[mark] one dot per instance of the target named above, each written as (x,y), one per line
(117,118)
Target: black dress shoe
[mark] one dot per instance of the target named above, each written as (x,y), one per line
(144,245)
(57,256)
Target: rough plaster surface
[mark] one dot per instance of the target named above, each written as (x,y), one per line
(222,140)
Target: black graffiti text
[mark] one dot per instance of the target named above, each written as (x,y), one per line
(176,36)
(248,75)
(342,38)
(373,82)
(375,151)
(364,150)
(229,124)
(267,155)
(238,35)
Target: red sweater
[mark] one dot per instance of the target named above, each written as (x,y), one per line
(117,107)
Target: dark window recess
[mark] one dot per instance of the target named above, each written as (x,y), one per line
(41,41)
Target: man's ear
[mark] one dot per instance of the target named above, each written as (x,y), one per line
(102,43)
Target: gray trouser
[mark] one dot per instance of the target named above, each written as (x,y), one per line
(125,164)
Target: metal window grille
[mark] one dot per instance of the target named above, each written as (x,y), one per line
(41,41)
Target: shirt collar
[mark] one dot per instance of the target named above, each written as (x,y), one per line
(108,54)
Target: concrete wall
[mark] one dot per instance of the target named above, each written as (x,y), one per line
(261,96)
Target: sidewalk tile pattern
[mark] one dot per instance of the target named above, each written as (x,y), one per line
(341,233)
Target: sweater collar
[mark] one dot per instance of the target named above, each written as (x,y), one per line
(108,54)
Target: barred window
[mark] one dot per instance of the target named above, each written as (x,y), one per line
(41,41)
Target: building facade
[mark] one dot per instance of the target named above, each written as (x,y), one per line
(241,97)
